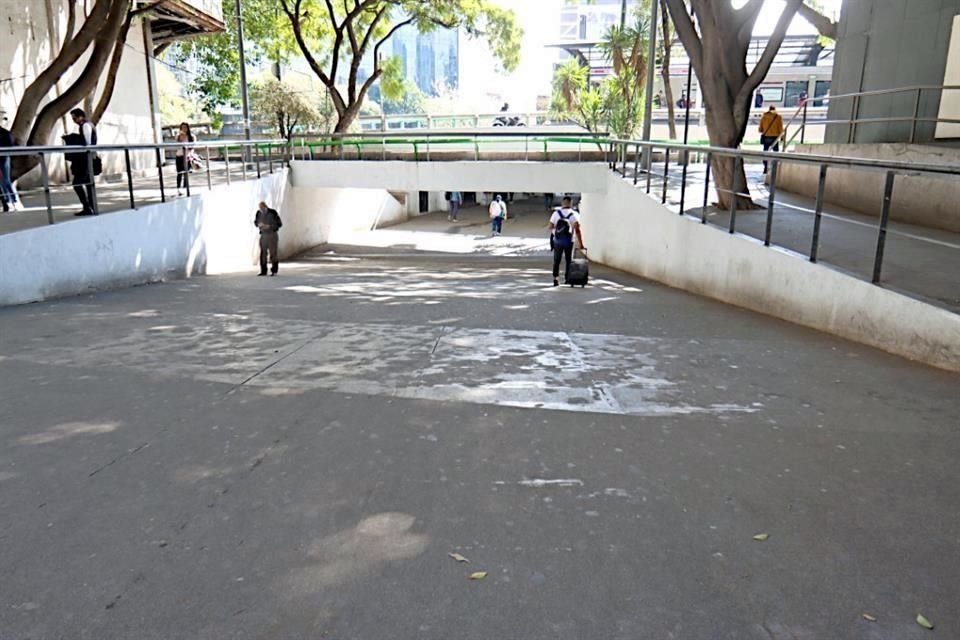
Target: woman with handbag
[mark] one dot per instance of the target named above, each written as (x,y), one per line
(183,154)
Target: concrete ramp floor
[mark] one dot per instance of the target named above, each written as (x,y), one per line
(297,457)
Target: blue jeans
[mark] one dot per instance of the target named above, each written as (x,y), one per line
(496,225)
(7,194)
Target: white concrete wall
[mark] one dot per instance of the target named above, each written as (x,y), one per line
(444,176)
(209,233)
(329,215)
(627,230)
(925,200)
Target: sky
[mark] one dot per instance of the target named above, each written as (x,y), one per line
(481,82)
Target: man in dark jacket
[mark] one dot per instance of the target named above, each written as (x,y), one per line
(269,223)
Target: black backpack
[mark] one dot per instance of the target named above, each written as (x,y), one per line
(447,196)
(562,231)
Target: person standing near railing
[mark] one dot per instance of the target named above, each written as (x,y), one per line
(7,192)
(497,211)
(771,129)
(80,164)
(183,155)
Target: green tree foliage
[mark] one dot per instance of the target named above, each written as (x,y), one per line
(285,105)
(411,101)
(616,104)
(337,39)
(174,107)
(216,58)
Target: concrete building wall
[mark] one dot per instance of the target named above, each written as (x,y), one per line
(31,34)
(442,176)
(885,45)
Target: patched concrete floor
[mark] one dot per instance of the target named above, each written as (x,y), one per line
(295,457)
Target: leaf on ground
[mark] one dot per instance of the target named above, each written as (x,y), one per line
(923,622)
(761,537)
(478,575)
(458,557)
(869,618)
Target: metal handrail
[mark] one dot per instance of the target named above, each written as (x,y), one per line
(63,148)
(253,158)
(853,122)
(623,150)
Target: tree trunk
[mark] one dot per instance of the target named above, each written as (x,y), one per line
(44,122)
(118,48)
(667,43)
(729,175)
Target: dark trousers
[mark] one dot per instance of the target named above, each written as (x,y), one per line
(496,225)
(83,186)
(181,171)
(769,142)
(269,243)
(7,194)
(559,253)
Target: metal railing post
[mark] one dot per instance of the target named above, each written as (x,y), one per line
(818,213)
(270,156)
(771,201)
(706,189)
(256,150)
(666,174)
(209,179)
(636,166)
(623,154)
(93,185)
(733,196)
(226,157)
(683,180)
(186,173)
(884,221)
(45,178)
(647,160)
(244,158)
(803,125)
(163,195)
(126,159)
(383,149)
(916,116)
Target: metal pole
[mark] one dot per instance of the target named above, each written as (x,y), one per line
(706,189)
(126,158)
(686,118)
(818,214)
(771,202)
(683,180)
(257,150)
(93,185)
(45,177)
(209,179)
(803,126)
(226,157)
(648,152)
(884,221)
(163,196)
(651,71)
(636,166)
(733,197)
(666,174)
(245,100)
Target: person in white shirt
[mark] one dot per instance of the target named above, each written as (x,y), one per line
(497,211)
(564,223)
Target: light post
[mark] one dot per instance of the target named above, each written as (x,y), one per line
(244,99)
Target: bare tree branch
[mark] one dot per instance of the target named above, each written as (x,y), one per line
(824,25)
(687,32)
(118,49)
(766,60)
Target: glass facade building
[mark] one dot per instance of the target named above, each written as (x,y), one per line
(431,60)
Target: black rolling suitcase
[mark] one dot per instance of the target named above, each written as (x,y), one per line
(579,272)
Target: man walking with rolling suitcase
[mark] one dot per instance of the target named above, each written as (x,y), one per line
(564,223)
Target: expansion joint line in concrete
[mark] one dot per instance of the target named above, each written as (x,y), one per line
(236,387)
